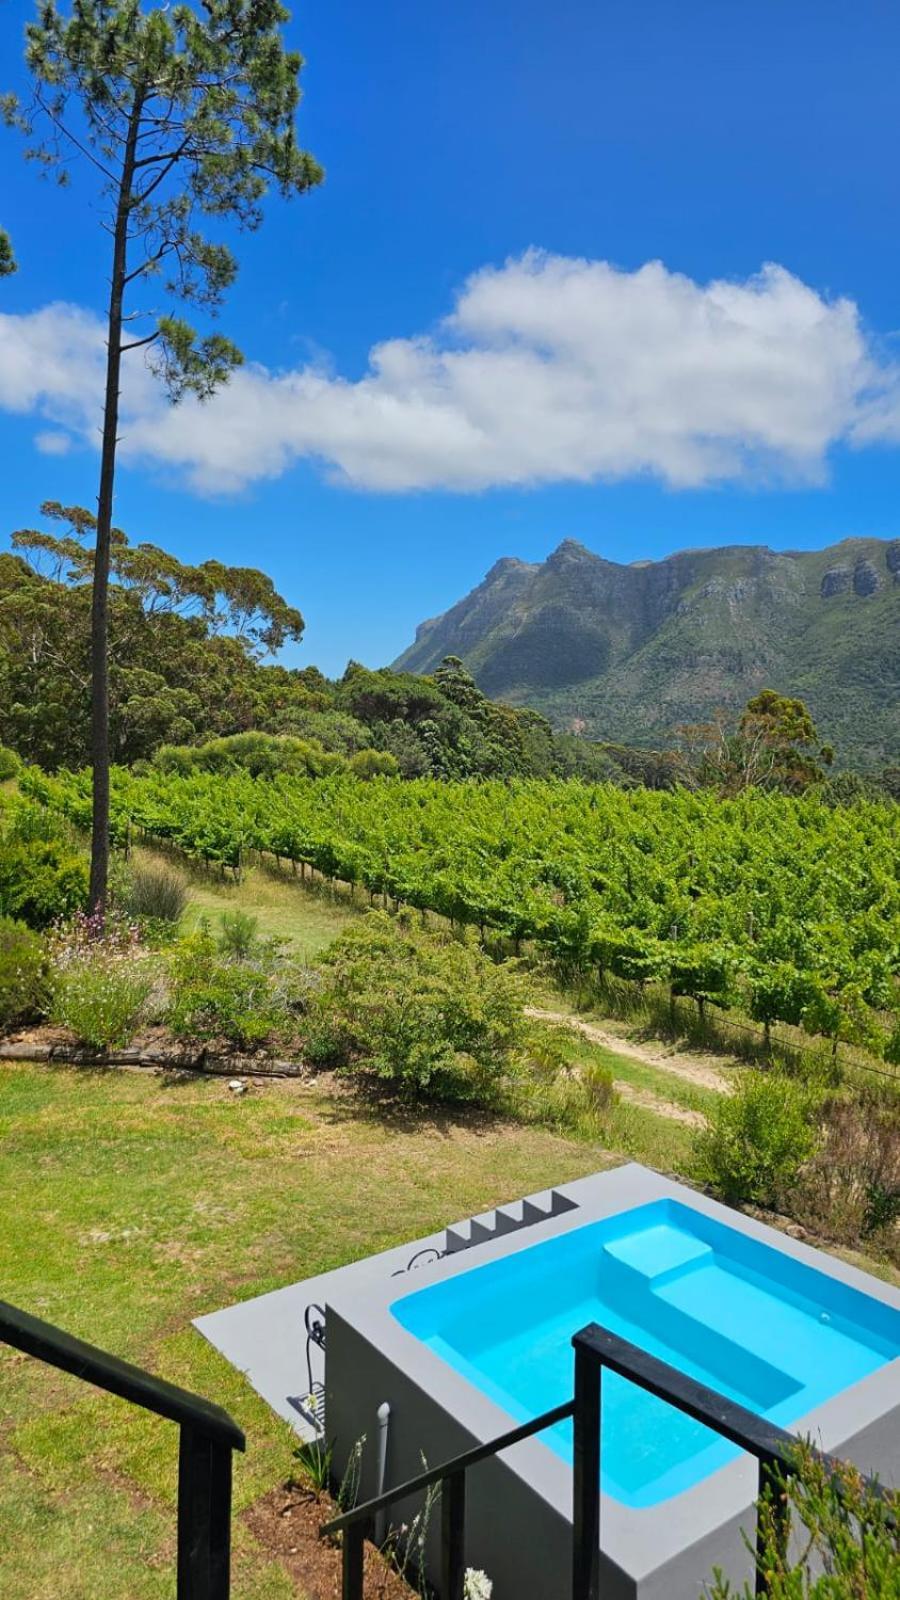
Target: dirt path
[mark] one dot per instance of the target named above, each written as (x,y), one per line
(655,1103)
(680,1065)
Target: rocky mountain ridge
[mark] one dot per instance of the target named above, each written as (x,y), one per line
(628,652)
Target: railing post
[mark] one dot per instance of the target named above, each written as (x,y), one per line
(772,1492)
(453,1536)
(353,1539)
(586,1476)
(204,1517)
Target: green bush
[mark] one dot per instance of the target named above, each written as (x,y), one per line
(260,754)
(239,1001)
(850,1542)
(100,992)
(560,1082)
(154,896)
(9,763)
(23,973)
(374,764)
(428,1012)
(240,934)
(599,1088)
(43,877)
(757,1139)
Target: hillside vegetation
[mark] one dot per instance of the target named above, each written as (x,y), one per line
(789,907)
(628,653)
(188,666)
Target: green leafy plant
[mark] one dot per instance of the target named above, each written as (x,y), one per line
(374,764)
(23,973)
(43,877)
(599,1088)
(212,998)
(424,1011)
(314,1458)
(850,1548)
(757,1139)
(101,984)
(9,763)
(239,935)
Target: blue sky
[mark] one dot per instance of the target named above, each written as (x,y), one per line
(633,408)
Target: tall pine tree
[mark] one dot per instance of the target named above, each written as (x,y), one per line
(185,114)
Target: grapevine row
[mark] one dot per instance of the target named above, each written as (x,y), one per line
(789,907)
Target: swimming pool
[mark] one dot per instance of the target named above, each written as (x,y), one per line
(763,1328)
(465,1332)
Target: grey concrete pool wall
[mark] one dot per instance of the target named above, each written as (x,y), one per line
(519,1506)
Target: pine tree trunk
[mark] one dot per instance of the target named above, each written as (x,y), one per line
(100,592)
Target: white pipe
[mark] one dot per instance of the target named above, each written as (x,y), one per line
(384,1417)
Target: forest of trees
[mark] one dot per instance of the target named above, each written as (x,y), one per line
(190,663)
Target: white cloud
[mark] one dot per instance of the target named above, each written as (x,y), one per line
(549,369)
(51,442)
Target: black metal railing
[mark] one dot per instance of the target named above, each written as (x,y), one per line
(451,1476)
(595,1349)
(208,1438)
(774,1449)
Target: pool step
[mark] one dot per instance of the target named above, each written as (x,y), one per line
(656,1255)
(507,1219)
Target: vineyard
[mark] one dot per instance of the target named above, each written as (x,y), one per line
(787,908)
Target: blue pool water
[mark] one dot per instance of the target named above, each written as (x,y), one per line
(762,1328)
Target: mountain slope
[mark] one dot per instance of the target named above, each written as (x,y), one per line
(627,653)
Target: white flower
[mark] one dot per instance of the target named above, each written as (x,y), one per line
(478,1585)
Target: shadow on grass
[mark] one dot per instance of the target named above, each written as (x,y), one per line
(366,1100)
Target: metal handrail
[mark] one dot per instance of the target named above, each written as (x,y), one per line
(595,1348)
(208,1437)
(460,1463)
(773,1447)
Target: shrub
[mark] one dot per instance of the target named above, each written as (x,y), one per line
(43,877)
(155,896)
(757,1139)
(100,986)
(599,1088)
(562,1083)
(850,1189)
(239,934)
(326,1042)
(23,973)
(211,998)
(9,763)
(233,1002)
(850,1544)
(260,754)
(427,1012)
(374,764)
(551,1050)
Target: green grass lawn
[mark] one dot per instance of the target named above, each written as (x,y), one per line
(134,1204)
(307,917)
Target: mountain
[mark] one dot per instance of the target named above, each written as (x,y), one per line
(628,652)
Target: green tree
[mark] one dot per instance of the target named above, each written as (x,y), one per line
(7,258)
(184,645)
(783,733)
(775,746)
(184,114)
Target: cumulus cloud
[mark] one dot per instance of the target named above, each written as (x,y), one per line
(548,369)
